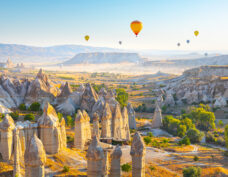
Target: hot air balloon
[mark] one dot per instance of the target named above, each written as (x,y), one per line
(136,27)
(87,37)
(206,54)
(188,41)
(178,44)
(196,33)
(120,42)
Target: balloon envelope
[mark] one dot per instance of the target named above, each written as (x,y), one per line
(188,41)
(120,42)
(178,44)
(206,54)
(87,37)
(136,27)
(196,33)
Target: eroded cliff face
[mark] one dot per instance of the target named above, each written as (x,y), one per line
(204,84)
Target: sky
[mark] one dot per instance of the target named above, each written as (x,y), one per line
(165,23)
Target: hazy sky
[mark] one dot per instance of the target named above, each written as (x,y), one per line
(166,22)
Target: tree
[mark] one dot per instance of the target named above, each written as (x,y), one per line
(187,122)
(22,107)
(35,106)
(202,118)
(181,130)
(122,97)
(226,135)
(29,117)
(192,172)
(195,135)
(196,158)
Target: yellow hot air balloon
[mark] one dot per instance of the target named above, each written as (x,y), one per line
(196,33)
(136,27)
(87,37)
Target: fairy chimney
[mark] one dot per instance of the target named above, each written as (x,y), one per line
(115,162)
(17,153)
(106,122)
(157,118)
(117,124)
(6,137)
(96,131)
(138,156)
(48,124)
(95,158)
(35,158)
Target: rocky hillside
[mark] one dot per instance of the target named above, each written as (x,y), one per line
(207,84)
(100,57)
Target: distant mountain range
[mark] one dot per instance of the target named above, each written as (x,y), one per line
(101,57)
(23,53)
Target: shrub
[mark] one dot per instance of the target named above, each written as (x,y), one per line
(14,115)
(147,140)
(152,168)
(66,169)
(195,135)
(70,139)
(192,172)
(196,158)
(22,107)
(126,167)
(210,138)
(185,141)
(29,117)
(150,134)
(35,106)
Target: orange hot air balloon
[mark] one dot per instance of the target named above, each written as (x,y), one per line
(87,37)
(196,33)
(136,27)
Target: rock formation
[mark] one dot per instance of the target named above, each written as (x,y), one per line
(41,90)
(48,124)
(138,156)
(87,123)
(89,98)
(157,118)
(126,130)
(95,158)
(35,158)
(117,124)
(17,153)
(82,136)
(106,122)
(220,102)
(169,100)
(63,134)
(6,137)
(131,116)
(96,131)
(115,170)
